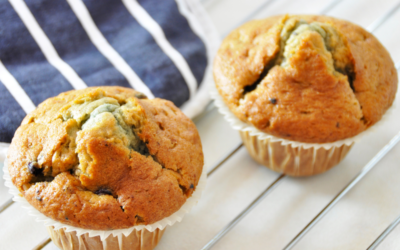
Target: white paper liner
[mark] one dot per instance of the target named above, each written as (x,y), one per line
(242,126)
(172,219)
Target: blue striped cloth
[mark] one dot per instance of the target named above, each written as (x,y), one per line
(51,46)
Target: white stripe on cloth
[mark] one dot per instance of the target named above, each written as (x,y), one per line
(45,45)
(145,20)
(202,25)
(193,23)
(97,38)
(15,89)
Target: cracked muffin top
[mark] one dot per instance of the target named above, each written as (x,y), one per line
(106,158)
(305,78)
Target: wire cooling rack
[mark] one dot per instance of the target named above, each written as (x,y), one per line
(212,127)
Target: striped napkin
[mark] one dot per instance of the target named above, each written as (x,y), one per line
(161,48)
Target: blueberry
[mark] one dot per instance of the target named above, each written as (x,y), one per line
(191,185)
(139,218)
(139,95)
(273,100)
(103,191)
(33,167)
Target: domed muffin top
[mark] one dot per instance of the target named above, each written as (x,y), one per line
(305,78)
(106,158)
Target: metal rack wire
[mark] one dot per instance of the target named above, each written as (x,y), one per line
(330,205)
(385,233)
(373,27)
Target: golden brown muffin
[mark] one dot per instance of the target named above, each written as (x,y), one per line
(305,78)
(106,158)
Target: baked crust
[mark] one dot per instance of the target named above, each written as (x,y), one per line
(305,78)
(106,158)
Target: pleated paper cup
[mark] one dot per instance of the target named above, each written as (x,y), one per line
(142,237)
(290,157)
(136,240)
(294,161)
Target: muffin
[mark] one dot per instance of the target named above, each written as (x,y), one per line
(106,158)
(307,85)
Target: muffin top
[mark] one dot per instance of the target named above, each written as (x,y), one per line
(305,78)
(106,158)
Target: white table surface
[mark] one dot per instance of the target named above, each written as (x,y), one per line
(354,223)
